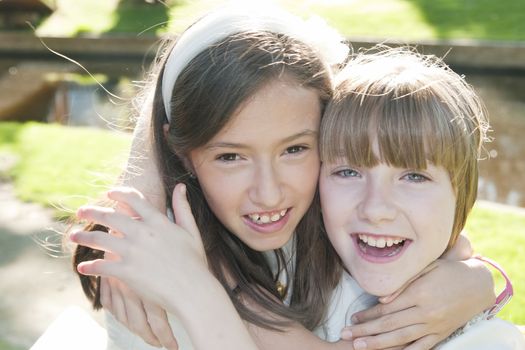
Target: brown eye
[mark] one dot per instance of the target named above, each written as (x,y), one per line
(295,149)
(228,157)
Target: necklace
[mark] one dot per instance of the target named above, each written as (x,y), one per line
(281,289)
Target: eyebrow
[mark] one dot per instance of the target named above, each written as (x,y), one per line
(307,132)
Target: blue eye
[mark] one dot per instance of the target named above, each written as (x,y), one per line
(229,157)
(416,177)
(347,173)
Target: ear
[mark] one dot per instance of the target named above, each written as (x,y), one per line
(185,158)
(188,164)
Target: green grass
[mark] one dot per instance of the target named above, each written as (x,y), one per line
(500,236)
(8,346)
(423,19)
(94,17)
(62,167)
(380,19)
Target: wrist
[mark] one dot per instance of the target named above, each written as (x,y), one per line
(506,294)
(208,308)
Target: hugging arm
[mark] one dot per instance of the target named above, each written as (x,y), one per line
(144,318)
(141,170)
(441,299)
(151,250)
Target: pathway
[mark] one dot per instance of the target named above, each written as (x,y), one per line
(37,282)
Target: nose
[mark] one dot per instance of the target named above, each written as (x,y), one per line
(377,202)
(266,190)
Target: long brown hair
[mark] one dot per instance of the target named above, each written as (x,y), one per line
(207,93)
(420,110)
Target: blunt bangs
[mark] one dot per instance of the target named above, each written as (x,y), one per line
(415,110)
(416,116)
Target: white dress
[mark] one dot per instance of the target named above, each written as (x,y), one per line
(347,298)
(121,338)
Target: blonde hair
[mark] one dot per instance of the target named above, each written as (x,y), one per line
(419,110)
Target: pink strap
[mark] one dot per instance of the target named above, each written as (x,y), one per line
(507,293)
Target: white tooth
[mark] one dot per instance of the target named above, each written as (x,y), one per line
(381,243)
(371,241)
(389,242)
(275,217)
(265,219)
(254,217)
(396,241)
(283,212)
(363,238)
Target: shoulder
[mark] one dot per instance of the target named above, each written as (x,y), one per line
(487,335)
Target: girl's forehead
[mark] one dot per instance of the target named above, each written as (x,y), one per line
(277,112)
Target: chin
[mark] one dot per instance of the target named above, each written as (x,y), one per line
(269,244)
(378,291)
(379,287)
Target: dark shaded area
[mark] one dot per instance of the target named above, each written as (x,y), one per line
(12,245)
(15,13)
(489,18)
(509,84)
(40,100)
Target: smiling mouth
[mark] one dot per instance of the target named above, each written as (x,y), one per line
(380,246)
(267,217)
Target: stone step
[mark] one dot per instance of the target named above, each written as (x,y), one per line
(27,90)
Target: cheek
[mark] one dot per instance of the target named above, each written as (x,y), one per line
(448,210)
(332,205)
(219,192)
(437,223)
(304,178)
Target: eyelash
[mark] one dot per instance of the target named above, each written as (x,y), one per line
(421,177)
(296,149)
(412,177)
(226,157)
(341,173)
(232,157)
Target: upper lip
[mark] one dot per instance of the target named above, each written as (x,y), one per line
(379,235)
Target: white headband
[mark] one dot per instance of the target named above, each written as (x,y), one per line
(218,25)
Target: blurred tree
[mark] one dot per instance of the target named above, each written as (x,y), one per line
(15,13)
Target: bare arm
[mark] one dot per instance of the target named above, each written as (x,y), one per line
(166,264)
(141,170)
(142,317)
(462,250)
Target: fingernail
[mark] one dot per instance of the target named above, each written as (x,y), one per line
(359,344)
(80,269)
(73,236)
(346,334)
(81,211)
(354,319)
